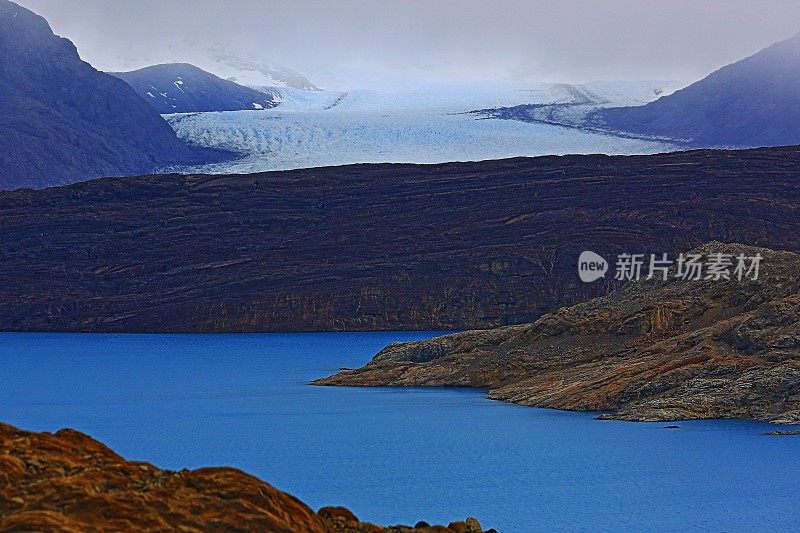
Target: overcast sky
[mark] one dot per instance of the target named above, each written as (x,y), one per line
(337,43)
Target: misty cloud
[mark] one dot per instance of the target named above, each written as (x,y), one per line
(347,42)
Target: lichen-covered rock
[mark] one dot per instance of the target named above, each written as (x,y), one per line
(69,482)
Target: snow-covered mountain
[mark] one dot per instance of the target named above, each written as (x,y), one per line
(184,88)
(227,62)
(252,71)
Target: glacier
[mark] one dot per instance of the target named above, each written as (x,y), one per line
(422,125)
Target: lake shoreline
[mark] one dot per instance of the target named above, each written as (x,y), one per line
(655,350)
(189,401)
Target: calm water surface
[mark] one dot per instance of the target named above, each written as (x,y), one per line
(393,455)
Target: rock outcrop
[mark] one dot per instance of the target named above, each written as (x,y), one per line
(69,482)
(371,247)
(653,350)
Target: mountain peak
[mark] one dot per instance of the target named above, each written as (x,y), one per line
(61,120)
(22,28)
(21,16)
(186,88)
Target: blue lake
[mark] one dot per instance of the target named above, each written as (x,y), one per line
(394,455)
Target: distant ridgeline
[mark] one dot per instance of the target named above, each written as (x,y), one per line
(753,102)
(62,121)
(451,246)
(183,88)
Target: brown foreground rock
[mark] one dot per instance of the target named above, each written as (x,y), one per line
(70,482)
(653,350)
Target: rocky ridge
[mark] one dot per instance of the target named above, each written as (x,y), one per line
(752,102)
(652,350)
(371,247)
(184,88)
(70,482)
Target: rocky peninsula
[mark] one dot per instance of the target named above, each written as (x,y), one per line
(653,350)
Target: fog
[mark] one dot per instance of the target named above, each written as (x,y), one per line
(347,43)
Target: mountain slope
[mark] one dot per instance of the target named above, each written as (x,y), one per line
(370,247)
(63,121)
(655,350)
(753,102)
(184,88)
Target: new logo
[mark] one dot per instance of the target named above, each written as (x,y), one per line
(591,266)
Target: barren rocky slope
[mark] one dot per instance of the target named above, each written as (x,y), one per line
(653,350)
(62,121)
(69,482)
(366,247)
(752,102)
